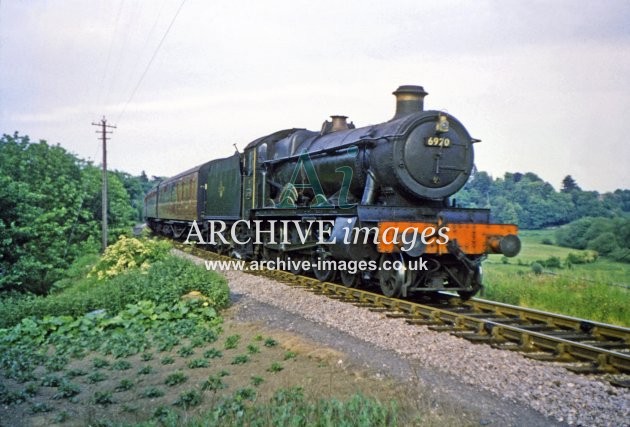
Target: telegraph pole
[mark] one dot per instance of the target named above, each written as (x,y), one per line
(104,126)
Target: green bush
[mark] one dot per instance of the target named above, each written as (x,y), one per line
(582,257)
(537,268)
(50,205)
(164,282)
(553,262)
(129,253)
(607,236)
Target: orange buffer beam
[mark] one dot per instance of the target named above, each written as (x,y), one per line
(472,238)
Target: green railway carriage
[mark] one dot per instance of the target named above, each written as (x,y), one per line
(210,190)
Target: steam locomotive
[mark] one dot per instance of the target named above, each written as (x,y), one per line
(368,186)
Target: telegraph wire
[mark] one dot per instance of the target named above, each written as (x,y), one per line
(115,75)
(155,52)
(145,45)
(109,54)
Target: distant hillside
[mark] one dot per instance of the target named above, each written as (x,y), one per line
(525,199)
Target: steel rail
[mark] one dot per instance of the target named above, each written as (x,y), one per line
(538,334)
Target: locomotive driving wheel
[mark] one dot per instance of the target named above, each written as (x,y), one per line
(294,263)
(392,274)
(350,280)
(320,269)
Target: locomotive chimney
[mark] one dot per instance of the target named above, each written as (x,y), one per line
(339,123)
(409,100)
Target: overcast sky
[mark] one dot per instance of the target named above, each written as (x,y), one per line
(545,85)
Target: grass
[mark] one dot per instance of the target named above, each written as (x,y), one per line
(290,407)
(595,291)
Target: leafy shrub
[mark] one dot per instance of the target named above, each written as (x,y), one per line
(188,399)
(124,385)
(256,380)
(175,378)
(546,241)
(103,398)
(67,389)
(607,236)
(97,362)
(146,370)
(61,417)
(96,377)
(186,351)
(31,389)
(213,383)
(152,392)
(165,282)
(209,336)
(12,397)
(582,257)
(245,394)
(552,262)
(72,373)
(129,253)
(56,363)
(241,359)
(231,342)
(537,268)
(270,342)
(275,367)
(40,407)
(212,353)
(51,381)
(168,360)
(121,365)
(197,363)
(253,349)
(166,416)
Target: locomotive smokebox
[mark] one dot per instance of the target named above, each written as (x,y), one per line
(409,100)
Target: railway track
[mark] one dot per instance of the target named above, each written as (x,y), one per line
(582,346)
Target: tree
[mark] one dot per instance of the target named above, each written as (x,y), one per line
(48,216)
(569,185)
(535,202)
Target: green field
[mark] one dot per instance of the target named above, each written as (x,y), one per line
(597,291)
